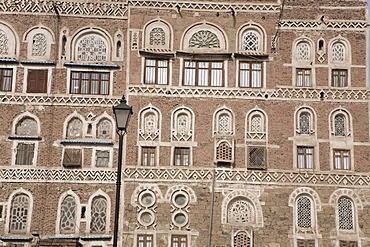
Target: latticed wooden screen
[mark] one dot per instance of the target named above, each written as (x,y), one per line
(242,239)
(224,152)
(257,157)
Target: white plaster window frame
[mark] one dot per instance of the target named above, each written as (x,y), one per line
(94,153)
(182,110)
(256,28)
(14,76)
(345,65)
(88,32)
(350,149)
(216,121)
(50,39)
(66,123)
(14,152)
(49,68)
(348,122)
(150,109)
(157,23)
(103,194)
(149,144)
(14,43)
(95,125)
(78,213)
(313,121)
(248,232)
(306,64)
(258,136)
(306,143)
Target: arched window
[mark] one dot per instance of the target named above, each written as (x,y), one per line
(157,36)
(240,211)
(345,214)
(251,41)
(149,120)
(74,128)
(39,45)
(223,122)
(204,39)
(338,51)
(92,47)
(304,212)
(68,215)
(303,51)
(242,239)
(4,43)
(256,125)
(104,129)
(19,213)
(99,207)
(304,123)
(182,124)
(339,125)
(27,126)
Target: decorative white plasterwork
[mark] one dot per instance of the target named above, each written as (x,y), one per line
(187,189)
(305,191)
(145,187)
(348,193)
(345,25)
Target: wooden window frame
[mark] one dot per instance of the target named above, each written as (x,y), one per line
(181,152)
(28,162)
(250,74)
(341,159)
(301,73)
(179,241)
(77,163)
(347,243)
(250,165)
(156,70)
(37,80)
(89,82)
(209,69)
(306,243)
(148,151)
(146,241)
(305,155)
(4,77)
(336,75)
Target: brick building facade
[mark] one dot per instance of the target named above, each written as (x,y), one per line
(250,125)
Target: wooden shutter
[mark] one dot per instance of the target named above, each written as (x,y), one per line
(37,81)
(25,153)
(72,158)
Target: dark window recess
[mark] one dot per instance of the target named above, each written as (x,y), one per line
(305,243)
(72,158)
(344,243)
(257,158)
(37,81)
(1,211)
(83,212)
(144,240)
(25,153)
(6,77)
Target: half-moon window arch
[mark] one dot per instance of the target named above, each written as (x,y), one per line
(204,39)
(92,47)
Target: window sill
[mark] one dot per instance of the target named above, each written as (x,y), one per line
(31,138)
(86,142)
(92,65)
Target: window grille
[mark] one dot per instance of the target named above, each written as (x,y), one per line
(4,43)
(251,41)
(303,77)
(144,240)
(303,51)
(305,157)
(250,74)
(98,215)
(345,214)
(37,80)
(148,156)
(257,157)
(204,73)
(157,36)
(25,154)
(68,213)
(338,52)
(224,152)
(156,71)
(204,39)
(88,82)
(304,123)
(240,211)
(342,159)
(74,128)
(304,212)
(92,48)
(179,241)
(224,124)
(26,127)
(305,243)
(339,125)
(256,124)
(339,78)
(242,239)
(39,44)
(6,77)
(72,157)
(20,209)
(104,130)
(181,156)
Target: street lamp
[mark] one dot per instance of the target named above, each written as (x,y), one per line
(122,113)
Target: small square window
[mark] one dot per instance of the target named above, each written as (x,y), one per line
(179,241)
(305,243)
(250,74)
(181,156)
(256,157)
(305,157)
(345,243)
(6,78)
(102,158)
(72,158)
(339,78)
(156,71)
(342,159)
(37,80)
(303,78)
(148,156)
(144,240)
(25,153)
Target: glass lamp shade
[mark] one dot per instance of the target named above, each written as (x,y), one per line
(122,113)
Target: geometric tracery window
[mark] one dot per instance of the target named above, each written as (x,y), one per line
(204,39)
(98,214)
(240,211)
(340,125)
(19,213)
(68,214)
(242,239)
(304,123)
(256,124)
(251,41)
(303,51)
(74,128)
(92,48)
(104,129)
(345,214)
(157,36)
(39,45)
(4,43)
(224,151)
(304,212)
(26,127)
(338,51)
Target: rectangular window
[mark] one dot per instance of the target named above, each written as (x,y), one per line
(25,154)
(250,74)
(156,71)
(37,81)
(101,158)
(345,243)
(305,243)
(303,78)
(148,156)
(339,78)
(87,82)
(72,157)
(305,157)
(202,73)
(342,159)
(181,157)
(257,157)
(179,241)
(144,240)
(6,78)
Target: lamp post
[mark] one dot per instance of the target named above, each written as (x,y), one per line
(122,113)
